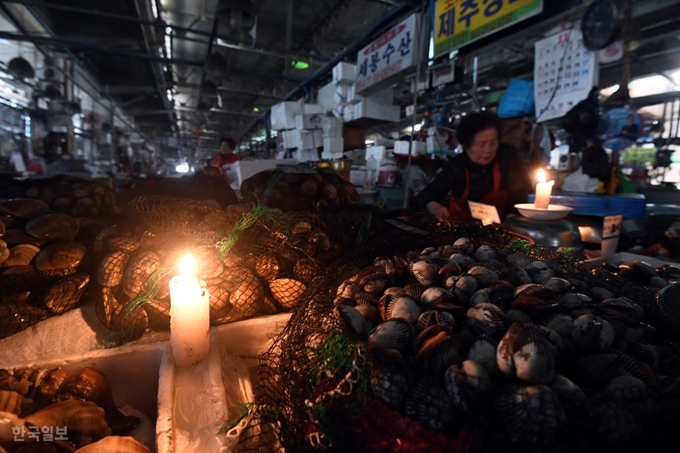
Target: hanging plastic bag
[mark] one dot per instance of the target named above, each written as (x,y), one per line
(518,99)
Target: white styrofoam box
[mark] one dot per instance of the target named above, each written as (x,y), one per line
(244,169)
(312,121)
(348,113)
(299,139)
(317,136)
(331,127)
(401,147)
(283,115)
(358,177)
(312,109)
(385,96)
(374,110)
(306,155)
(437,145)
(377,152)
(341,93)
(325,97)
(344,72)
(333,145)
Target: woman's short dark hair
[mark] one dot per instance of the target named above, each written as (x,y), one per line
(230,141)
(475,122)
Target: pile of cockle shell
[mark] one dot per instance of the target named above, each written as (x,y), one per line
(642,273)
(54,410)
(75,197)
(42,256)
(252,279)
(476,338)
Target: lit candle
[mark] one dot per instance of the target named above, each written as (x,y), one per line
(543,191)
(189,317)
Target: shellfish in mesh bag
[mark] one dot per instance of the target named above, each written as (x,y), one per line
(253,260)
(45,262)
(457,343)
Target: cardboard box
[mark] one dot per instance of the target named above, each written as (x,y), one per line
(283,115)
(376,111)
(354,137)
(344,73)
(298,139)
(312,121)
(401,147)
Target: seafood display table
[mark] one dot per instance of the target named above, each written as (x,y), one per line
(144,381)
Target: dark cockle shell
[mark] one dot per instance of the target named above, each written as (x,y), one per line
(65,293)
(402,307)
(353,321)
(429,404)
(432,296)
(373,280)
(525,352)
(484,273)
(392,334)
(53,227)
(485,253)
(592,334)
(530,415)
(110,271)
(519,259)
(389,378)
(124,244)
(415,290)
(435,317)
(436,349)
(487,319)
(426,273)
(483,352)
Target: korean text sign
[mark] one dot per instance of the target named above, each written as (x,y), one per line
(397,50)
(459,22)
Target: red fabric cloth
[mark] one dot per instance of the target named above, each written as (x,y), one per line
(459,208)
(225,159)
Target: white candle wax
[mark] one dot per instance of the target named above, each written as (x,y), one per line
(189,317)
(543,191)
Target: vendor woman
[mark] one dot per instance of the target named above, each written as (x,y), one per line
(487,172)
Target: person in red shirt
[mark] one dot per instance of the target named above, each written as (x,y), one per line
(226,156)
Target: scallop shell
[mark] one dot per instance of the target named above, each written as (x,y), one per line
(10,402)
(531,414)
(65,293)
(392,334)
(352,320)
(137,272)
(21,255)
(62,258)
(53,227)
(15,236)
(525,352)
(519,259)
(287,291)
(110,271)
(487,319)
(124,244)
(24,208)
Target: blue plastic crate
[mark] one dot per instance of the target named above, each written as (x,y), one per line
(631,206)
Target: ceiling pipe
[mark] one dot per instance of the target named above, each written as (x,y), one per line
(65,43)
(356,46)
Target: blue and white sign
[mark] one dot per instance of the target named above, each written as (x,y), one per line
(381,62)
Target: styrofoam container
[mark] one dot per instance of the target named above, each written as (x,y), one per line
(383,97)
(333,147)
(312,121)
(344,72)
(312,109)
(298,139)
(317,137)
(282,115)
(376,152)
(368,108)
(145,382)
(326,96)
(307,155)
(401,147)
(331,127)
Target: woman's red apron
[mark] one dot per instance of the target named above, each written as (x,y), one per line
(459,208)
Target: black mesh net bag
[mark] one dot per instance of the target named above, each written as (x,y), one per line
(254,260)
(467,340)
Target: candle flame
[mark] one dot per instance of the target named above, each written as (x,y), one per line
(186,266)
(541,176)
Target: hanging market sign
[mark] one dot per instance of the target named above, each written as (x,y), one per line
(381,62)
(460,22)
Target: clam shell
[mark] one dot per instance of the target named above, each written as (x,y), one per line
(464,245)
(475,377)
(487,319)
(467,284)
(111,267)
(485,253)
(461,260)
(10,402)
(373,280)
(61,258)
(220,295)
(483,352)
(436,349)
(15,236)
(435,317)
(287,291)
(573,300)
(425,272)
(84,420)
(600,293)
(525,352)
(519,259)
(485,274)
(114,444)
(389,378)
(137,272)
(518,316)
(433,296)
(124,244)
(24,208)
(352,320)
(158,312)
(567,391)
(53,227)
(4,252)
(557,284)
(402,307)
(533,290)
(21,255)
(592,334)
(429,404)
(208,264)
(414,290)
(531,414)
(305,270)
(560,323)
(392,334)
(247,294)
(65,293)
(101,241)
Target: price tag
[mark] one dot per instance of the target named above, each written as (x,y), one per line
(611,227)
(487,213)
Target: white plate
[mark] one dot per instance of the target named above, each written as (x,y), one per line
(552,212)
